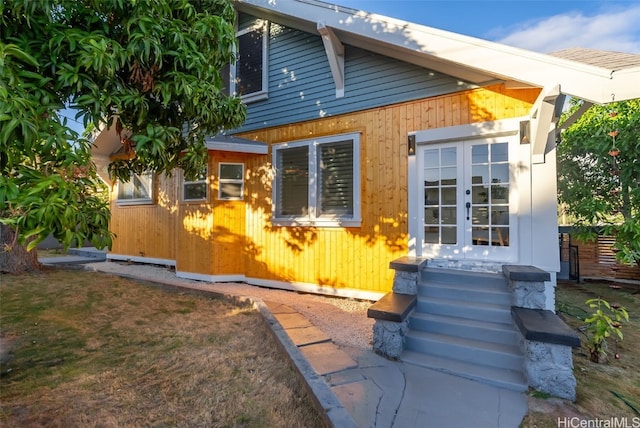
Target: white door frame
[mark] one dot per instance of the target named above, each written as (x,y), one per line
(454,134)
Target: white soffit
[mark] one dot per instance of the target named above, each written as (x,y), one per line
(467,58)
(229,143)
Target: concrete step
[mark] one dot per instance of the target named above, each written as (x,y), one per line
(499,377)
(505,334)
(480,311)
(462,277)
(475,293)
(463,325)
(465,350)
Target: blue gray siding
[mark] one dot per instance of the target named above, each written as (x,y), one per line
(301,86)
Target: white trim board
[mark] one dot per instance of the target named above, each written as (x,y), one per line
(283,285)
(137,259)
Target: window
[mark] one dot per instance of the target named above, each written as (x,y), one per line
(231,181)
(138,190)
(195,190)
(249,76)
(318,181)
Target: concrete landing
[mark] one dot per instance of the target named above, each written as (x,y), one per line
(377,392)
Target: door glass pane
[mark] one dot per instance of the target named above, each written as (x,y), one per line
(480,174)
(431,235)
(449,195)
(479,195)
(449,235)
(480,153)
(448,175)
(500,194)
(480,215)
(499,152)
(500,215)
(500,236)
(500,173)
(431,196)
(480,235)
(449,157)
(490,177)
(440,195)
(431,216)
(431,177)
(449,216)
(431,158)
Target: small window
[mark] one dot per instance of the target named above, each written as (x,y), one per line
(138,190)
(195,190)
(231,181)
(249,76)
(318,181)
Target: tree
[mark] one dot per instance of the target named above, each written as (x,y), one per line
(152,67)
(599,175)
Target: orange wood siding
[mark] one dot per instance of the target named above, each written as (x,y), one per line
(359,257)
(237,237)
(147,230)
(211,234)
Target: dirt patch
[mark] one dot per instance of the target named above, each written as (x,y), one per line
(93,350)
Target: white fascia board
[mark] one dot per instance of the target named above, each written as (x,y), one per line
(260,149)
(469,131)
(137,259)
(380,33)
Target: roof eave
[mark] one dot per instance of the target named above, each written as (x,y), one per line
(467,58)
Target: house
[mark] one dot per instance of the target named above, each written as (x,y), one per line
(368,139)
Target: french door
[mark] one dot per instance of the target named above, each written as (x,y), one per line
(468,193)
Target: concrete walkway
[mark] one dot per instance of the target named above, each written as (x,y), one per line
(377,392)
(357,388)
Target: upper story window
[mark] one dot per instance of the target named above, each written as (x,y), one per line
(196,189)
(317,181)
(249,75)
(231,182)
(138,190)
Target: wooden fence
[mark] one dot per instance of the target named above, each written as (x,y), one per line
(595,260)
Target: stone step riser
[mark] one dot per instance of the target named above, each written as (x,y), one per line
(463,277)
(466,330)
(501,378)
(443,291)
(450,308)
(461,352)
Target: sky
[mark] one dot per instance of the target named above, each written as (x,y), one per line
(537,25)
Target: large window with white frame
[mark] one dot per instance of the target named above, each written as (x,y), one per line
(137,191)
(230,181)
(317,181)
(249,74)
(195,189)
